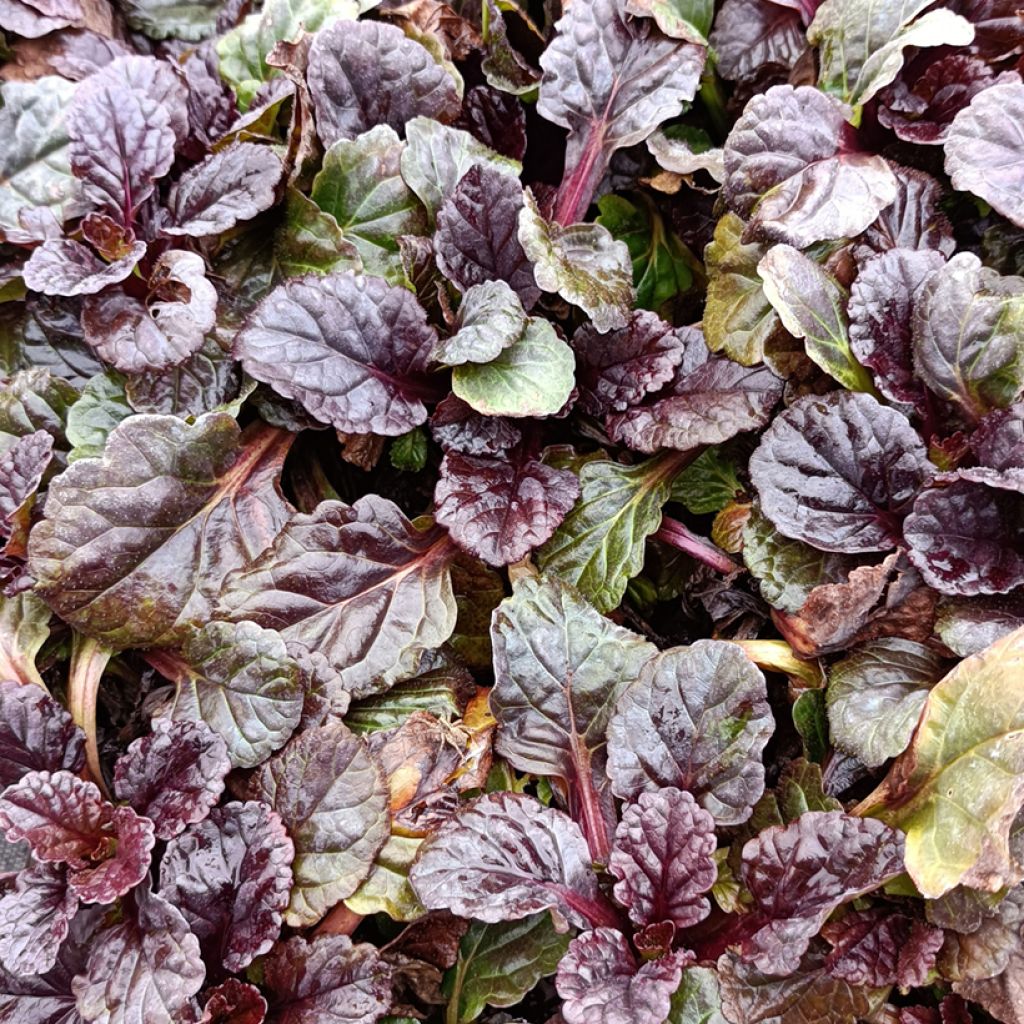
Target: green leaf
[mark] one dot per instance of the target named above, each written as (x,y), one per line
(738,318)
(440,692)
(812,724)
(361,186)
(697,1000)
(583,263)
(957,789)
(801,790)
(708,484)
(600,545)
(35,169)
(812,306)
(101,407)
(661,262)
(681,19)
(861,42)
(310,240)
(532,377)
(491,318)
(24,628)
(387,889)
(499,963)
(875,697)
(167,19)
(409,452)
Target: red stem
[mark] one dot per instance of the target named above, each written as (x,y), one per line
(580,181)
(678,536)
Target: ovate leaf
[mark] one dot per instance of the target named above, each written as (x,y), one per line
(490,319)
(749,34)
(36,733)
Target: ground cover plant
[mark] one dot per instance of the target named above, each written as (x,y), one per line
(512,512)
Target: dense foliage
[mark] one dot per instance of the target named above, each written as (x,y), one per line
(512,511)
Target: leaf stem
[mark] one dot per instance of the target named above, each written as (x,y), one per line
(674,533)
(580,181)
(88,660)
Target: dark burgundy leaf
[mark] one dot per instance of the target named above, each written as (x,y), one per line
(998,28)
(697,719)
(36,734)
(65,820)
(326,980)
(174,775)
(353,350)
(749,34)
(839,472)
(601,982)
(617,369)
(147,968)
(663,859)
(457,427)
(366,73)
(477,233)
(65,267)
(800,873)
(234,1002)
(496,119)
(230,876)
(999,440)
(35,918)
(500,509)
(22,467)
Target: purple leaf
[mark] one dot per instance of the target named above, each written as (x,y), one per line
(22,466)
(617,369)
(611,80)
(964,532)
(998,31)
(124,123)
(230,876)
(147,968)
(326,980)
(496,119)
(999,440)
(601,982)
(457,427)
(839,472)
(881,313)
(476,238)
(501,509)
(800,873)
(333,801)
(792,170)
(663,859)
(353,350)
(559,667)
(231,185)
(365,73)
(174,775)
(35,918)
(64,267)
(36,734)
(697,719)
(749,34)
(66,820)
(361,584)
(136,336)
(234,1002)
(504,857)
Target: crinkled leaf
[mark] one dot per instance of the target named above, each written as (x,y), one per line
(361,186)
(367,73)
(696,719)
(583,263)
(749,34)
(333,801)
(967,625)
(534,376)
(663,859)
(63,266)
(362,585)
(34,400)
(477,233)
(839,472)
(174,775)
(600,545)
(504,857)
(231,185)
(456,427)
(22,466)
(957,789)
(967,321)
(500,509)
(36,733)
(66,820)
(709,483)
(788,170)
(601,982)
(799,873)
(326,980)
(101,407)
(875,697)
(500,963)
(811,305)
(168,503)
(35,917)
(697,1000)
(861,43)
(167,19)
(490,319)
(230,876)
(145,968)
(240,681)
(234,1002)
(352,350)
(618,368)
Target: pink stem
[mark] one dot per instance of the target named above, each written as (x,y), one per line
(678,536)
